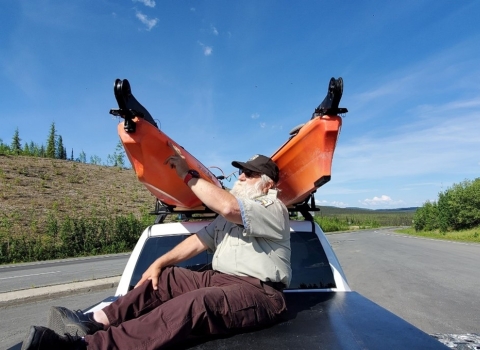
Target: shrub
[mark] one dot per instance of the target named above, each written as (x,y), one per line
(71,237)
(331,224)
(426,217)
(459,206)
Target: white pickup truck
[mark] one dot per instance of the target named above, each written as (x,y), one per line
(323,312)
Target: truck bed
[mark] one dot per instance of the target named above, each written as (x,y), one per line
(330,320)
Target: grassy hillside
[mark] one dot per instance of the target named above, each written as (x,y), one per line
(31,188)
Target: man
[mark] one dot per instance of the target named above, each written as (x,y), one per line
(251,265)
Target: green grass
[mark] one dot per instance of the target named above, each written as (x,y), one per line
(472,235)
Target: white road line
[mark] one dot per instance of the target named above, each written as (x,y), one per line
(36,274)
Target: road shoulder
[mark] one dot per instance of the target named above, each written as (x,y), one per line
(55,291)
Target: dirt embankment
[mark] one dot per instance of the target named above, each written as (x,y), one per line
(32,188)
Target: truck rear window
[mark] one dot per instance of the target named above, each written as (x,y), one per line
(155,247)
(310,266)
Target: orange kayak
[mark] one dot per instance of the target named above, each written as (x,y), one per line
(305,160)
(147,149)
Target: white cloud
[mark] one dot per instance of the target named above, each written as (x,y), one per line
(207,50)
(263,125)
(150,23)
(255,116)
(325,203)
(380,201)
(214,30)
(338,204)
(148,3)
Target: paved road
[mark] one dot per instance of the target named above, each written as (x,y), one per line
(24,276)
(15,321)
(435,285)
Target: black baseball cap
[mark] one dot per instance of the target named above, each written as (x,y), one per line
(260,164)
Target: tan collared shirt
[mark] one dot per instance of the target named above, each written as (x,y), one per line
(259,248)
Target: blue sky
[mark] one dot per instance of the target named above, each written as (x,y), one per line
(229,79)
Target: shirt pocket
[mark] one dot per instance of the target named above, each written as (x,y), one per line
(237,238)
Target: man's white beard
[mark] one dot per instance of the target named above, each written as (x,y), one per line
(245,191)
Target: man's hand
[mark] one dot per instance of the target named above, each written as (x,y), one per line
(177,161)
(188,248)
(151,274)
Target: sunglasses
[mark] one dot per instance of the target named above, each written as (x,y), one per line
(248,173)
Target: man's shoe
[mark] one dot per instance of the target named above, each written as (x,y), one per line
(63,320)
(42,338)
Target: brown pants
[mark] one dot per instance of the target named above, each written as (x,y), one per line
(187,303)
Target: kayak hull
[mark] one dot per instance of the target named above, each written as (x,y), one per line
(147,149)
(305,160)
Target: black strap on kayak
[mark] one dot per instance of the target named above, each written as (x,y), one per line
(129,107)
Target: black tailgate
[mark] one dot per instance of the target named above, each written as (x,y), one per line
(331,320)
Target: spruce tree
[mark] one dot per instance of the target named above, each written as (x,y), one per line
(4,148)
(41,151)
(26,150)
(59,152)
(33,149)
(50,152)
(36,149)
(16,146)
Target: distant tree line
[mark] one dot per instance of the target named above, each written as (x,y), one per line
(333,219)
(56,149)
(457,208)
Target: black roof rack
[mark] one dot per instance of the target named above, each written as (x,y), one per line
(162,210)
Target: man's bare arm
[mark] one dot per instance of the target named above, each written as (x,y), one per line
(215,198)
